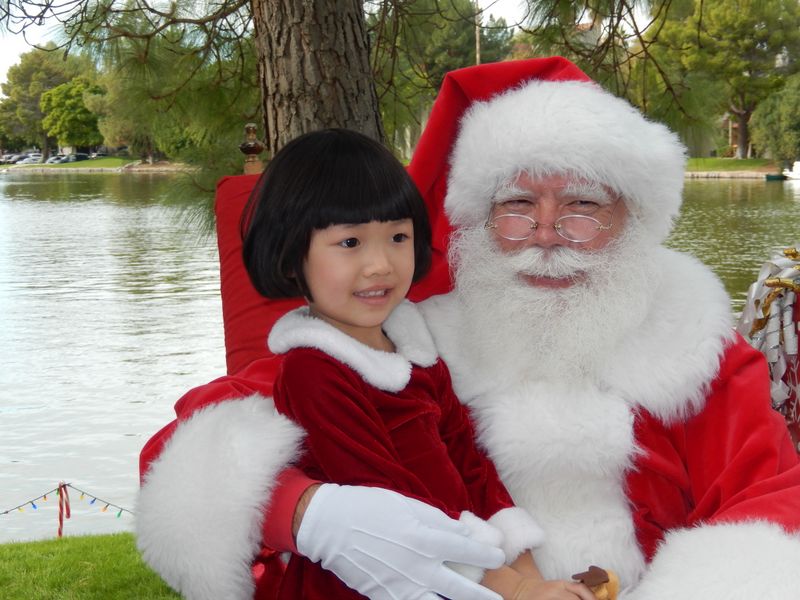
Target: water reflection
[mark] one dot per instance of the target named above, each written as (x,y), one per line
(109,311)
(735,225)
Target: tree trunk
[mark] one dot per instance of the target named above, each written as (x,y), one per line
(314,68)
(45,147)
(743,133)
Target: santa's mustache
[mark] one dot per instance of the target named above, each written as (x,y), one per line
(557,263)
(551,262)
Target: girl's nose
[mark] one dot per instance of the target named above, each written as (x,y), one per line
(378,263)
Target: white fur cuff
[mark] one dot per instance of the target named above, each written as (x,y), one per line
(480,531)
(200,508)
(734,561)
(520,531)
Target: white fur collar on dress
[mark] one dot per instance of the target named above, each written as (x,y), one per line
(388,371)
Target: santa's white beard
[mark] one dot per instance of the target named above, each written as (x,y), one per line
(520,330)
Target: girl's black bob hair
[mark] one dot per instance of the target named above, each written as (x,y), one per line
(323,178)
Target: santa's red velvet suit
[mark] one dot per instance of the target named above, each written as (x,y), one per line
(657,456)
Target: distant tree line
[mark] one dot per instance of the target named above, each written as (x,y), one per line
(180,80)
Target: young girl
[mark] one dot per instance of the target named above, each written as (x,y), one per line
(337,220)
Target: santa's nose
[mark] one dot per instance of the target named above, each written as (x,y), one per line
(546,215)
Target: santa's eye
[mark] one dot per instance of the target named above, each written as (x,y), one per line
(582,206)
(516,205)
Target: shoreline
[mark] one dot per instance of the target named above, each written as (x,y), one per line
(728,174)
(132,167)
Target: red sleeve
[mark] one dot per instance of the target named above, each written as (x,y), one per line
(734,461)
(487,493)
(740,459)
(277,528)
(346,440)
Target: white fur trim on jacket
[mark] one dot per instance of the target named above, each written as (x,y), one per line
(669,362)
(723,562)
(520,531)
(389,371)
(567,127)
(222,462)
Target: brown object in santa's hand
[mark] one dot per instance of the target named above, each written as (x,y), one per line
(604,584)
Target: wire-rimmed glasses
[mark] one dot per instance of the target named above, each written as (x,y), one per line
(573,228)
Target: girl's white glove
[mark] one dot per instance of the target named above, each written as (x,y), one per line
(390,547)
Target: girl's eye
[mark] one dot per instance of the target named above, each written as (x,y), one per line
(400,237)
(349,243)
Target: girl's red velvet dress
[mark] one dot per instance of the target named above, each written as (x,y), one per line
(377,418)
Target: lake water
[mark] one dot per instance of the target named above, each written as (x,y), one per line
(110,310)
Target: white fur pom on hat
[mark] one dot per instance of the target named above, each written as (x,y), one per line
(565,127)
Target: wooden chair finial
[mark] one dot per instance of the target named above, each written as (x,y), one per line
(251,148)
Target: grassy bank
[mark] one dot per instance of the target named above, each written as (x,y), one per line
(103,567)
(732,164)
(107,162)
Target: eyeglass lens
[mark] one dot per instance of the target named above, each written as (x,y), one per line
(574,228)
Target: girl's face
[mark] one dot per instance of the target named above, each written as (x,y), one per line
(358,274)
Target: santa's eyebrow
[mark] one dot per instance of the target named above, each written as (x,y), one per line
(587,190)
(509,191)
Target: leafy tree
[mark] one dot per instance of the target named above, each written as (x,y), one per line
(313,66)
(313,59)
(151,108)
(687,100)
(9,129)
(746,47)
(776,122)
(415,43)
(604,37)
(37,72)
(9,142)
(65,114)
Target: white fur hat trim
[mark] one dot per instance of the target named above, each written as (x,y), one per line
(568,127)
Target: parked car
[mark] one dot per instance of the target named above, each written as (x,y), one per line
(55,159)
(32,159)
(76,156)
(6,158)
(99,154)
(15,158)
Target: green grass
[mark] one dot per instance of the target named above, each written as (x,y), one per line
(103,567)
(109,162)
(731,164)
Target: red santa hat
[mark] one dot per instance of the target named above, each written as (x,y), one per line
(542,116)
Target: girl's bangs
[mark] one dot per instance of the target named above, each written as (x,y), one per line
(363,195)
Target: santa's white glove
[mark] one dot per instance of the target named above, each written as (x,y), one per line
(390,547)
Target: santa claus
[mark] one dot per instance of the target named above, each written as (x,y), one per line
(601,369)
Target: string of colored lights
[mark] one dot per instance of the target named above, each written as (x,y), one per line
(83,494)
